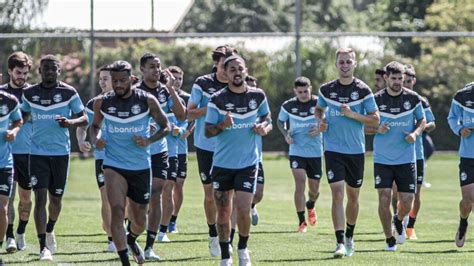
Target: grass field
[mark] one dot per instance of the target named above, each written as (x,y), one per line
(274,241)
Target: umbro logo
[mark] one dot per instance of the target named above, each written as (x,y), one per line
(101,178)
(111,110)
(3,109)
(4,187)
(174,174)
(215,185)
(35,98)
(378,180)
(247,185)
(412,186)
(469,103)
(333,95)
(211,90)
(146,195)
(382,107)
(229,106)
(294,110)
(203,176)
(260,178)
(59,191)
(359,182)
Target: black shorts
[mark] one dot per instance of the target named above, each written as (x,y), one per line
(404,176)
(466,171)
(182,166)
(347,167)
(420,171)
(138,181)
(159,165)
(49,172)
(244,179)
(204,159)
(173,168)
(260,174)
(312,166)
(21,166)
(99,173)
(6,181)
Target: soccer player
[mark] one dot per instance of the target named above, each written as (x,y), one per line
(9,112)
(202,90)
(349,105)
(231,118)
(19,66)
(182,131)
(461,122)
(50,103)
(105,83)
(153,81)
(379,81)
(408,82)
(298,126)
(402,120)
(251,81)
(127,113)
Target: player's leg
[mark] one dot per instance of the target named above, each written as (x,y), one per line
(6,180)
(466,178)
(178,195)
(299,176)
(167,198)
(105,206)
(314,173)
(394,198)
(258,196)
(420,171)
(10,237)
(233,222)
(21,162)
(384,180)
(137,212)
(405,177)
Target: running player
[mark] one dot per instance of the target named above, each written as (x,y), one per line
(127,113)
(202,90)
(231,119)
(9,112)
(349,104)
(402,121)
(298,125)
(19,66)
(105,83)
(379,81)
(50,103)
(461,122)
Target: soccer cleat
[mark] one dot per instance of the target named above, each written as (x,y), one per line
(150,255)
(21,241)
(111,247)
(244,257)
(11,245)
(349,246)
(137,253)
(460,238)
(390,248)
(411,234)
(51,242)
(162,237)
(400,237)
(226,262)
(303,227)
(46,254)
(254,214)
(172,228)
(340,251)
(312,217)
(426,184)
(214,247)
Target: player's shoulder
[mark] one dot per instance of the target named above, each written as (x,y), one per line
(66,88)
(4,87)
(465,92)
(9,102)
(328,86)
(289,103)
(256,92)
(362,87)
(204,79)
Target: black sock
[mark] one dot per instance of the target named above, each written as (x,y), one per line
(242,242)
(109,238)
(123,254)
(232,233)
(340,236)
(212,230)
(42,241)
(301,217)
(21,226)
(462,227)
(253,205)
(50,226)
(131,238)
(310,204)
(129,225)
(173,218)
(224,250)
(411,222)
(350,230)
(398,225)
(10,231)
(163,228)
(150,239)
(391,241)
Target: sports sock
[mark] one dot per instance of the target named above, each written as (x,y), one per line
(150,239)
(398,225)
(253,205)
(42,241)
(123,254)
(340,236)
(163,228)
(350,230)
(109,238)
(462,227)
(173,218)
(310,204)
(10,231)
(21,226)
(242,242)
(411,222)
(224,250)
(50,226)
(301,217)
(131,238)
(231,237)
(391,241)
(212,230)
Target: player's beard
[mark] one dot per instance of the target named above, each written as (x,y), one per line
(19,82)
(396,88)
(238,83)
(121,92)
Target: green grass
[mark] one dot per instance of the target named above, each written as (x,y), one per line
(274,240)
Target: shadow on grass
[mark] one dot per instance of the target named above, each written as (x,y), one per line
(278,261)
(184,241)
(188,259)
(434,241)
(438,251)
(81,235)
(82,253)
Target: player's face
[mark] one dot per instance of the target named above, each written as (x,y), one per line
(409,82)
(121,82)
(151,70)
(236,72)
(49,71)
(178,82)
(303,93)
(379,82)
(19,75)
(395,81)
(105,81)
(345,64)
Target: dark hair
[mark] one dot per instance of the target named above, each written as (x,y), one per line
(250,78)
(103,68)
(302,82)
(394,67)
(223,51)
(19,59)
(232,58)
(410,71)
(121,65)
(380,72)
(145,57)
(175,69)
(49,57)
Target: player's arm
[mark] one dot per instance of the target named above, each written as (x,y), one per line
(94,129)
(429,127)
(320,114)
(420,126)
(212,130)
(264,126)
(15,126)
(81,134)
(370,119)
(178,108)
(455,120)
(160,118)
(79,121)
(194,112)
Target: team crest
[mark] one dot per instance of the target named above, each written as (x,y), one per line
(203,176)
(101,178)
(57,98)
(312,110)
(294,164)
(354,95)
(378,180)
(161,98)
(253,104)
(215,185)
(34,180)
(136,109)
(330,174)
(463,176)
(3,109)
(407,105)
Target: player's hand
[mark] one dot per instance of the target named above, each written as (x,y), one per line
(175,130)
(10,135)
(346,110)
(314,131)
(141,141)
(323,125)
(171,80)
(63,121)
(465,132)
(228,121)
(84,146)
(383,128)
(260,129)
(411,137)
(100,144)
(185,134)
(288,137)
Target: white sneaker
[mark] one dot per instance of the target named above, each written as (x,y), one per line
(11,245)
(150,255)
(244,257)
(226,262)
(340,251)
(46,254)
(214,247)
(426,184)
(254,214)
(349,246)
(111,247)
(162,237)
(51,242)
(21,241)
(390,248)
(401,237)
